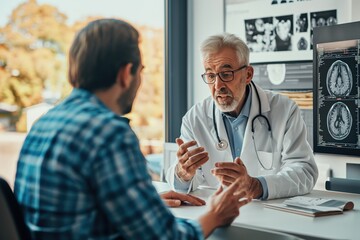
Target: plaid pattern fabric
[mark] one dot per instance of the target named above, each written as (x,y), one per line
(81,175)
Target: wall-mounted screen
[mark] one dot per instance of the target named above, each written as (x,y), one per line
(336,89)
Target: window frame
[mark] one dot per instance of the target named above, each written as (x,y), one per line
(176,72)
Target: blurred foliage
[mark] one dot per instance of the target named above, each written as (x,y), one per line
(33,45)
(33,64)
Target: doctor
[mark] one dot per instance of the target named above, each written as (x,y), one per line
(242,131)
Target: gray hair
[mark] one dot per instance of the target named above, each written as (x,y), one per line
(215,43)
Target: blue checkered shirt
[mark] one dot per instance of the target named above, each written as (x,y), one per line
(81,175)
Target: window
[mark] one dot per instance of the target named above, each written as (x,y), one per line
(35,37)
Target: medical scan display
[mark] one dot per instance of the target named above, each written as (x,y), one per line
(338,100)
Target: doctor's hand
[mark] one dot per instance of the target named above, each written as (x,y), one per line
(229,172)
(175,199)
(189,160)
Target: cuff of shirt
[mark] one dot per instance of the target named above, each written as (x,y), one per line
(181,185)
(198,231)
(264,187)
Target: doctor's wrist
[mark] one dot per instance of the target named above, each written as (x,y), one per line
(181,174)
(255,188)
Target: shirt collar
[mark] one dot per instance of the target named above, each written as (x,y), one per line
(89,96)
(245,111)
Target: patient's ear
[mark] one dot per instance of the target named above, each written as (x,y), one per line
(124,76)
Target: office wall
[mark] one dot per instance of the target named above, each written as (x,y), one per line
(206,17)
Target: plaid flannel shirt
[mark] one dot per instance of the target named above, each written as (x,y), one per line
(81,175)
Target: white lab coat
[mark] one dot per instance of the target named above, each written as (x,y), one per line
(293,172)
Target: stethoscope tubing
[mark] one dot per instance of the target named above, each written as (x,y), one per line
(259,115)
(222,144)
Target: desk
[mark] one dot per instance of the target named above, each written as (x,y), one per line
(254,214)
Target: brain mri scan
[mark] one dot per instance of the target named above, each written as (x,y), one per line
(302,44)
(336,89)
(321,22)
(339,79)
(339,121)
(331,21)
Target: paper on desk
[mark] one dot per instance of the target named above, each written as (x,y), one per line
(207,187)
(320,204)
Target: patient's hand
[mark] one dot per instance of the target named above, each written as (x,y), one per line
(175,199)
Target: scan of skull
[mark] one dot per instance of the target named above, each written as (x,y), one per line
(339,79)
(339,121)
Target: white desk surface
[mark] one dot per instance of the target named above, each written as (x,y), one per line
(254,214)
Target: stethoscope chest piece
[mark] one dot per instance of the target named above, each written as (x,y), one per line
(222,145)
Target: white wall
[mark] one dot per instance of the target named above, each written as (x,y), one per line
(206,17)
(355,15)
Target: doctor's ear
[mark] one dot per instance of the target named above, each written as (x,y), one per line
(249,74)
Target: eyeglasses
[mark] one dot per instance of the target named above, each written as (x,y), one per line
(225,76)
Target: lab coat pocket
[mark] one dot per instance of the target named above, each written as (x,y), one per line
(265,160)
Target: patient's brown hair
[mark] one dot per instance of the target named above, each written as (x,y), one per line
(98,52)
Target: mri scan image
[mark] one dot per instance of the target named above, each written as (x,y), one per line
(336,70)
(302,44)
(339,121)
(339,79)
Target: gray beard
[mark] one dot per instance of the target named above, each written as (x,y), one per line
(227,108)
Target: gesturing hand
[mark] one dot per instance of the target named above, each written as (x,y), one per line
(189,160)
(224,207)
(175,199)
(229,172)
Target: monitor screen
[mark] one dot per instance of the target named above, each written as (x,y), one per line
(336,89)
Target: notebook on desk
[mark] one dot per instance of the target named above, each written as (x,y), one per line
(313,207)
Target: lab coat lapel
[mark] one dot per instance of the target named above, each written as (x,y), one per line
(224,155)
(248,155)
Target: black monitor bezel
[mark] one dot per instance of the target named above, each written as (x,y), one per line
(340,32)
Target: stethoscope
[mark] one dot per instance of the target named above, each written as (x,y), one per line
(222,144)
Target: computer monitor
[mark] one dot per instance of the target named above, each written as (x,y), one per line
(169,158)
(336,69)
